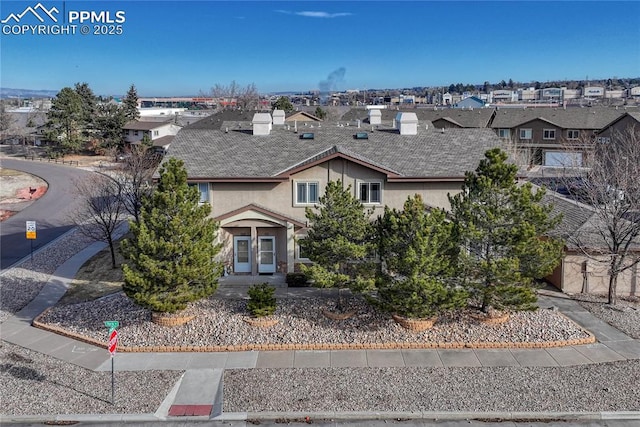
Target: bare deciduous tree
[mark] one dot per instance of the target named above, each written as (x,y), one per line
(246,98)
(135,177)
(611,188)
(101,209)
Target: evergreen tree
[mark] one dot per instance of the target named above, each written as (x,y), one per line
(340,241)
(109,121)
(418,252)
(503,225)
(283,103)
(130,104)
(64,119)
(170,258)
(88,104)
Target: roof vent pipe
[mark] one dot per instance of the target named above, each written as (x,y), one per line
(442,131)
(358,123)
(295,126)
(226,130)
(394,123)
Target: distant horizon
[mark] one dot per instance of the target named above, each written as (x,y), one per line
(521,85)
(186,47)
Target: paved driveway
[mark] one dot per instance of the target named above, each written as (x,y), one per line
(51,211)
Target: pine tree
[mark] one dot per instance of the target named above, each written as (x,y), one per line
(503,227)
(170,258)
(340,241)
(130,103)
(89,104)
(418,252)
(65,120)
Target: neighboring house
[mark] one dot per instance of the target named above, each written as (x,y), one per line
(259,177)
(552,136)
(470,102)
(579,272)
(301,116)
(439,117)
(160,133)
(619,126)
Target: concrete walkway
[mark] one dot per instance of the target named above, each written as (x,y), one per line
(199,392)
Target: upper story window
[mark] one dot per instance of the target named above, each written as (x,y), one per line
(156,132)
(504,133)
(306,193)
(135,133)
(573,134)
(370,192)
(549,134)
(525,133)
(203,188)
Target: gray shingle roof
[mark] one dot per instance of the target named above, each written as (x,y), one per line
(476,118)
(239,154)
(570,118)
(580,223)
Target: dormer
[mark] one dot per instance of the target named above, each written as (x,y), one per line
(278,117)
(261,123)
(407,123)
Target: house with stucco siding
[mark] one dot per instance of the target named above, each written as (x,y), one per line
(259,177)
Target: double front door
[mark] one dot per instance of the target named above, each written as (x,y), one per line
(266,254)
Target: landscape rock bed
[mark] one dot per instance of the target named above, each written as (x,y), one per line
(219,322)
(24,282)
(625,315)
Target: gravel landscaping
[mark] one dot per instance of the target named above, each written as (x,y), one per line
(625,315)
(219,321)
(32,383)
(586,388)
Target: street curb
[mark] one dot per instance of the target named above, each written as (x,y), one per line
(337,415)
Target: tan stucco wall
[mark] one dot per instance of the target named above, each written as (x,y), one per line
(597,277)
(280,198)
(226,197)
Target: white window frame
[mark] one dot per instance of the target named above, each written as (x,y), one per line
(368,183)
(156,133)
(548,138)
(503,131)
(526,133)
(203,189)
(572,132)
(305,202)
(135,133)
(298,251)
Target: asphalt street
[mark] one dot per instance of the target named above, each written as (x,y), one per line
(51,211)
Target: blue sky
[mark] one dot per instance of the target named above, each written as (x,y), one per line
(182,47)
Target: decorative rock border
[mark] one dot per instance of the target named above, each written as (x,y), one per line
(261,322)
(415,325)
(490,320)
(318,346)
(165,319)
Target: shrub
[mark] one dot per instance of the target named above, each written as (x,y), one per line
(261,300)
(418,297)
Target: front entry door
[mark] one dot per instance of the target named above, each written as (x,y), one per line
(242,254)
(266,254)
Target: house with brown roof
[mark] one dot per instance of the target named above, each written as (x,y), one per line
(259,177)
(629,121)
(552,136)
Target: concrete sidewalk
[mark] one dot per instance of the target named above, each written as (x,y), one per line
(199,392)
